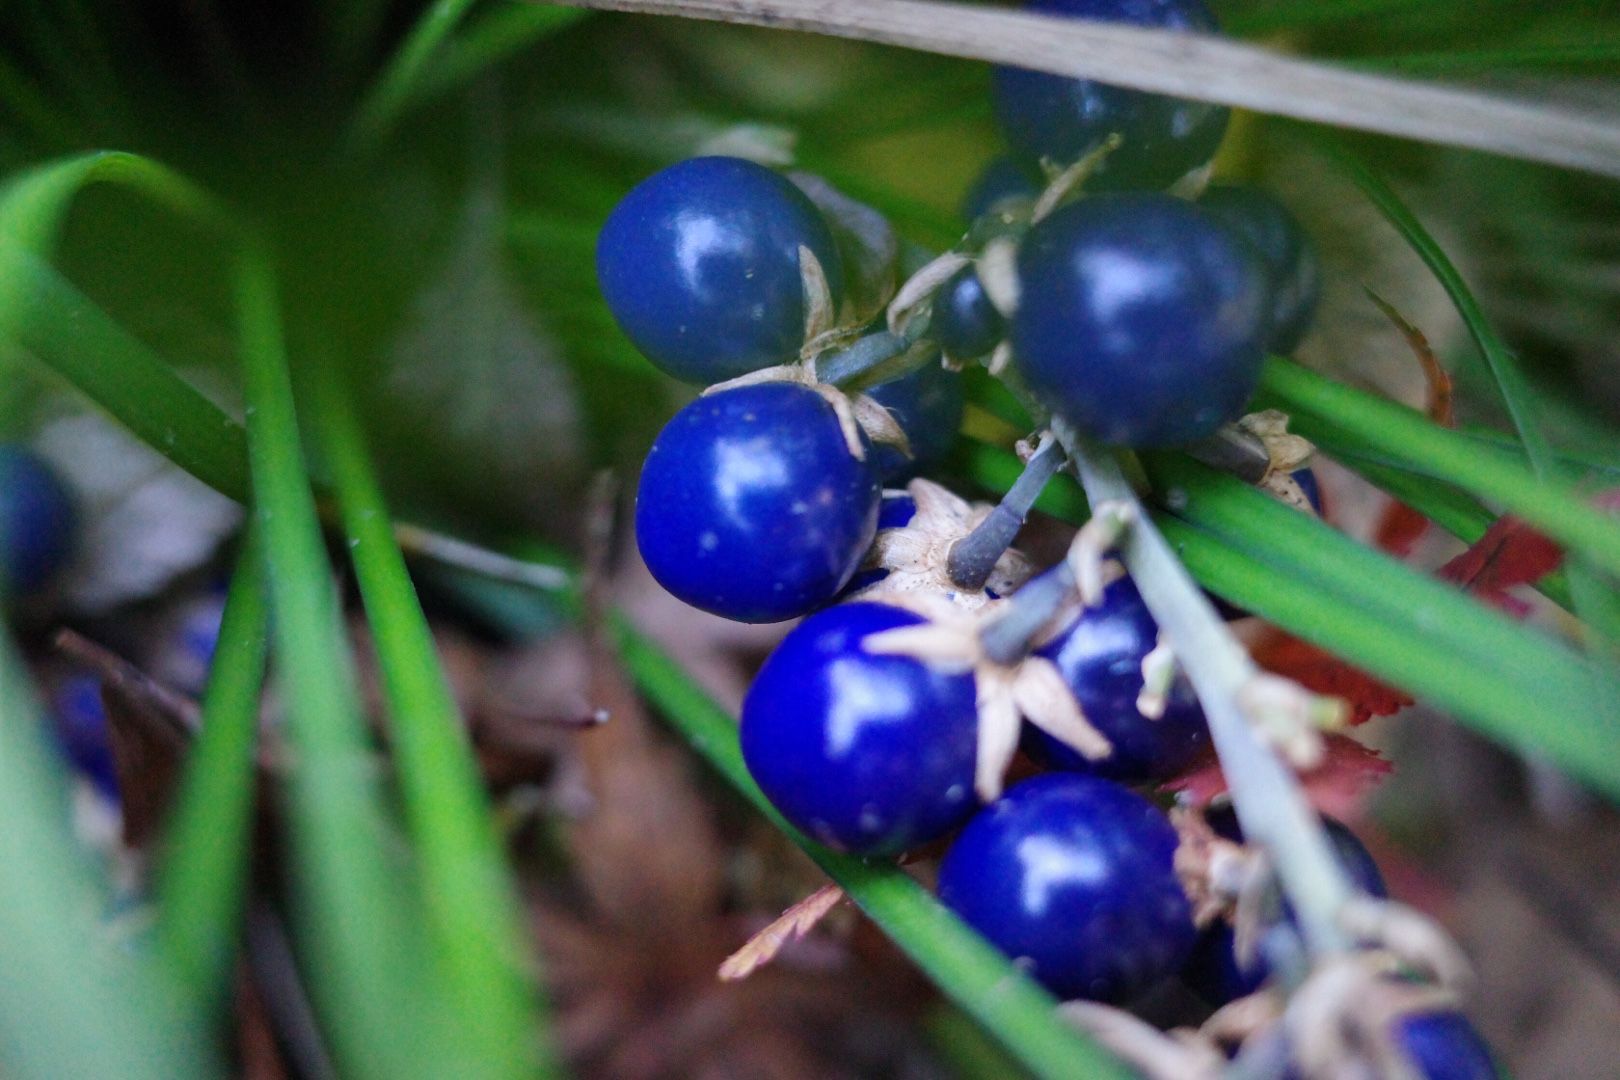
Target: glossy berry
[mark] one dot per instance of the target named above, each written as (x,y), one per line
(1100,655)
(867,754)
(1213,970)
(927,404)
(1073,875)
(1292,268)
(37,522)
(964,322)
(1004,179)
(1141,319)
(1445,1046)
(82,732)
(1049,116)
(752,506)
(700,266)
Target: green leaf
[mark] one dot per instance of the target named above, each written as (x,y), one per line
(203,874)
(1323,410)
(468,888)
(78,998)
(355,911)
(965,967)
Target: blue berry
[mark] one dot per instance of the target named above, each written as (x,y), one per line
(1213,970)
(1100,655)
(867,754)
(1073,875)
(1003,179)
(37,522)
(1141,319)
(1445,1046)
(1061,119)
(894,512)
(752,506)
(700,266)
(965,323)
(82,732)
(1290,259)
(1306,479)
(927,404)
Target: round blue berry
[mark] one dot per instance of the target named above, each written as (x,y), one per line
(1292,268)
(866,753)
(1445,1046)
(1213,970)
(927,404)
(752,506)
(37,522)
(1061,119)
(1003,180)
(1100,655)
(1141,319)
(1073,875)
(82,731)
(964,321)
(700,266)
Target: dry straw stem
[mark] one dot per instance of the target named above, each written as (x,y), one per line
(1190,66)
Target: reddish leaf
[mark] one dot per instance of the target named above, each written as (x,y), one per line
(1509,554)
(1326,674)
(1346,772)
(1399,529)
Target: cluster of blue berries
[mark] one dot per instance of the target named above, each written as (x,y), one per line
(1138,316)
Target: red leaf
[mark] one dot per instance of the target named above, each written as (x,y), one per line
(1509,554)
(1326,674)
(1347,770)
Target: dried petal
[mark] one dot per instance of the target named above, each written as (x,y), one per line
(788,927)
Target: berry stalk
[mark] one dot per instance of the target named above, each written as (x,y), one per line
(973,558)
(1268,800)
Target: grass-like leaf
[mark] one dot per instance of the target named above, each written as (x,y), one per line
(203,876)
(963,965)
(76,1000)
(1326,411)
(464,876)
(368,966)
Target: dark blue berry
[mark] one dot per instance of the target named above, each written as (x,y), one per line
(752,506)
(867,754)
(927,404)
(1213,970)
(1061,119)
(1445,1046)
(1073,875)
(1100,655)
(37,522)
(82,731)
(1005,178)
(964,321)
(700,266)
(1306,479)
(1292,267)
(1141,319)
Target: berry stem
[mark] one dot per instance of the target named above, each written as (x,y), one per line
(878,357)
(973,558)
(1268,800)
